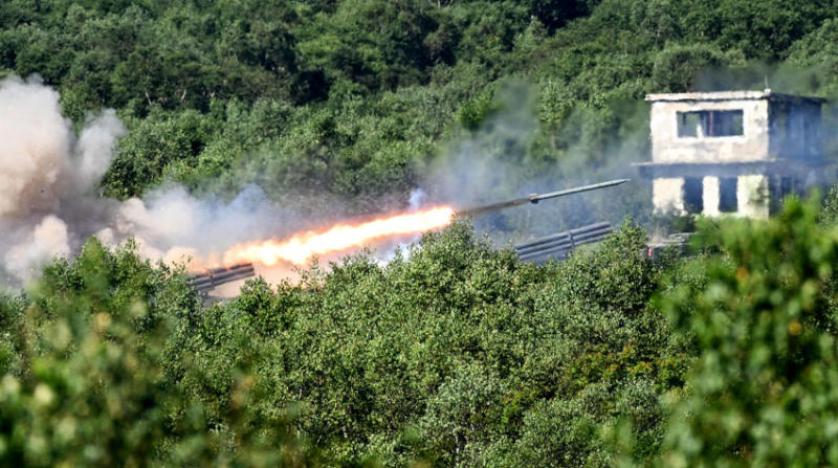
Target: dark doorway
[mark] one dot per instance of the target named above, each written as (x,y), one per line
(728,201)
(694,195)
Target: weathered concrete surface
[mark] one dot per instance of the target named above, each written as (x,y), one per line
(711,196)
(778,131)
(753,196)
(668,147)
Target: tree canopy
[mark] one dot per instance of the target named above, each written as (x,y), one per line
(460,354)
(354,97)
(457,353)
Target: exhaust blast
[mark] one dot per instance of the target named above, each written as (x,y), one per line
(49,205)
(339,238)
(49,179)
(347,236)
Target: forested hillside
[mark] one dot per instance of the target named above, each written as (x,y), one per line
(354,98)
(455,353)
(459,355)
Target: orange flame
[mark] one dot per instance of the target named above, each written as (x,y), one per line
(339,238)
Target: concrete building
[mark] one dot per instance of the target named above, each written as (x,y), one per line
(733,152)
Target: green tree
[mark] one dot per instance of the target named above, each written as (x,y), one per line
(762,391)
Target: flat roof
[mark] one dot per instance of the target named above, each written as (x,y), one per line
(729,96)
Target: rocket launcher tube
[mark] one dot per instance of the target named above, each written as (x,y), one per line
(217,276)
(535,198)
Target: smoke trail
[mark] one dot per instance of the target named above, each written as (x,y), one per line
(49,205)
(49,179)
(515,153)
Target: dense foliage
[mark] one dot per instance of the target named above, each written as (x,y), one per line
(351,98)
(763,391)
(458,355)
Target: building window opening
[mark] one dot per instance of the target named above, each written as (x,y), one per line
(779,190)
(693,195)
(699,124)
(689,124)
(728,202)
(785,186)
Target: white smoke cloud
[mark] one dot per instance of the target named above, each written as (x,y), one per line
(173,225)
(46,172)
(49,202)
(34,142)
(95,148)
(47,240)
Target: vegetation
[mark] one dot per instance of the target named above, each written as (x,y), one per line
(458,354)
(352,98)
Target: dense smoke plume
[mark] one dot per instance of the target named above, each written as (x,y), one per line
(49,204)
(48,176)
(49,200)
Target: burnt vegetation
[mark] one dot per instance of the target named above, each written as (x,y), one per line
(458,354)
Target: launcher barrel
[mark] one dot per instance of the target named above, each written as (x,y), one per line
(211,279)
(536,197)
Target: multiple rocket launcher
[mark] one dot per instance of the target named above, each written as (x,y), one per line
(560,245)
(554,246)
(211,279)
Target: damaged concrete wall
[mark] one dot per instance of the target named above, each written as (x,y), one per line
(753,196)
(667,146)
(728,153)
(752,145)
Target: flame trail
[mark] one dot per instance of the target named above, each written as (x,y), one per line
(341,237)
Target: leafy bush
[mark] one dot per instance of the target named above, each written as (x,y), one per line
(456,354)
(762,390)
(96,381)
